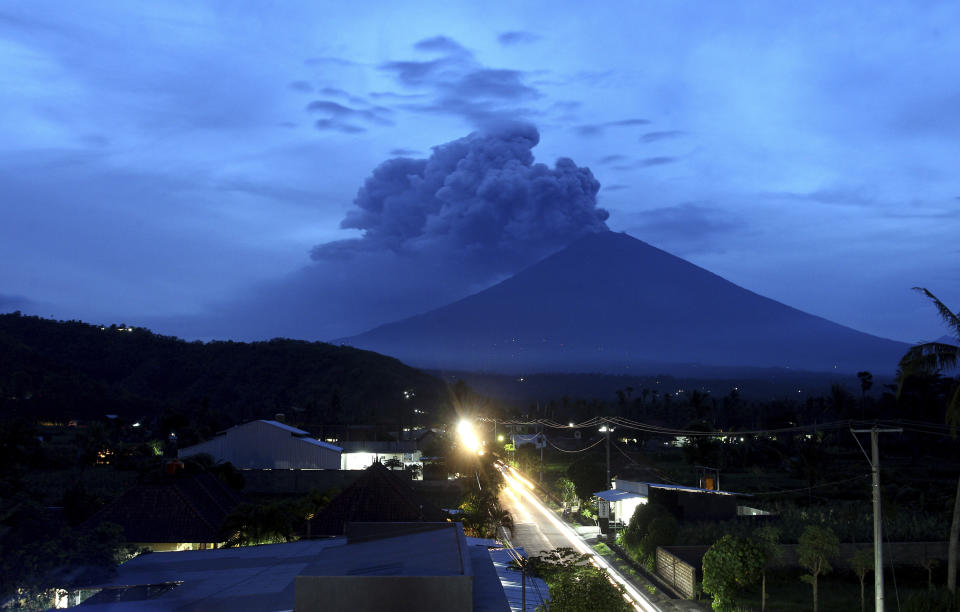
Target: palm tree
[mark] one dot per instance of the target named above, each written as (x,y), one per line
(929,358)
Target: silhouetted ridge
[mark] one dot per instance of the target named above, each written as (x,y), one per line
(609,303)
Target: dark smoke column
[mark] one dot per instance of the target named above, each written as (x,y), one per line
(480,201)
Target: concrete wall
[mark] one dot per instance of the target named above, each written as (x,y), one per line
(377,593)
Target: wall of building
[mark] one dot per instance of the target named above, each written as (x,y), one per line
(396,593)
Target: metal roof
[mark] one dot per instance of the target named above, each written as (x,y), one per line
(613,495)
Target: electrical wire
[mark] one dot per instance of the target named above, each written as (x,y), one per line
(582,450)
(820,486)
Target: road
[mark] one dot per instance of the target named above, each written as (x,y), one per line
(537,528)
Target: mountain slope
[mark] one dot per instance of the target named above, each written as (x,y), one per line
(610,303)
(73,369)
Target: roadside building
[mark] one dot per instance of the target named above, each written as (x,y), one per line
(400,567)
(268,445)
(361,454)
(618,504)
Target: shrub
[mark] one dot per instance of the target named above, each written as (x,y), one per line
(731,565)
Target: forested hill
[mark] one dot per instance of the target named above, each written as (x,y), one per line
(76,370)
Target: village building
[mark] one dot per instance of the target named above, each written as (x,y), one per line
(268,445)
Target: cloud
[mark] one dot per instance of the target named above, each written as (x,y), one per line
(517,38)
(301,86)
(609,159)
(440,44)
(615,187)
(687,228)
(342,118)
(595,129)
(336,61)
(663,135)
(404,152)
(647,162)
(10,303)
(455,83)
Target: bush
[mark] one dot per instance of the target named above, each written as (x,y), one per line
(940,600)
(730,565)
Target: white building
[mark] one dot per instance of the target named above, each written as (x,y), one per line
(268,445)
(360,454)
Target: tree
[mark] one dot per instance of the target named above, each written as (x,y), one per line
(862,564)
(817,545)
(567,491)
(575,586)
(866,383)
(651,526)
(585,589)
(483,515)
(588,477)
(731,564)
(932,357)
(767,539)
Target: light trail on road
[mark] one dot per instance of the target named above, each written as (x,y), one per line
(522,488)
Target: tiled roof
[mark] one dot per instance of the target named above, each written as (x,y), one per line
(376,496)
(172,509)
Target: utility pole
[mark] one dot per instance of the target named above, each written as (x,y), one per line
(606,428)
(877,521)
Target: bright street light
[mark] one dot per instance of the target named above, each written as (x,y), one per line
(468,437)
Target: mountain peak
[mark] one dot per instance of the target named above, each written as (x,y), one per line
(612,303)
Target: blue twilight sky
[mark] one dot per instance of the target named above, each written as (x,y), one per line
(187,165)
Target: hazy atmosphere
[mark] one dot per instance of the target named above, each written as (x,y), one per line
(309,170)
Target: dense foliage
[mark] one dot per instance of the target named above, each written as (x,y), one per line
(731,565)
(575,585)
(71,369)
(651,526)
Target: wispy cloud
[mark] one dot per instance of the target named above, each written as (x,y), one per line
(596,129)
(663,135)
(517,37)
(647,162)
(342,118)
(455,83)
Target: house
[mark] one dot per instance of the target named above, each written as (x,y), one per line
(684,503)
(172,512)
(361,454)
(268,445)
(421,566)
(379,495)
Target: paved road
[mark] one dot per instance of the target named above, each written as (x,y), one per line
(537,529)
(530,531)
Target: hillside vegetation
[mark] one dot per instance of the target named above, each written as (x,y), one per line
(70,369)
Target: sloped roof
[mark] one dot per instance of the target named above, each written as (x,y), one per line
(172,509)
(376,496)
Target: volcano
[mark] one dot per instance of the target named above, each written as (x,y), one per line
(610,303)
